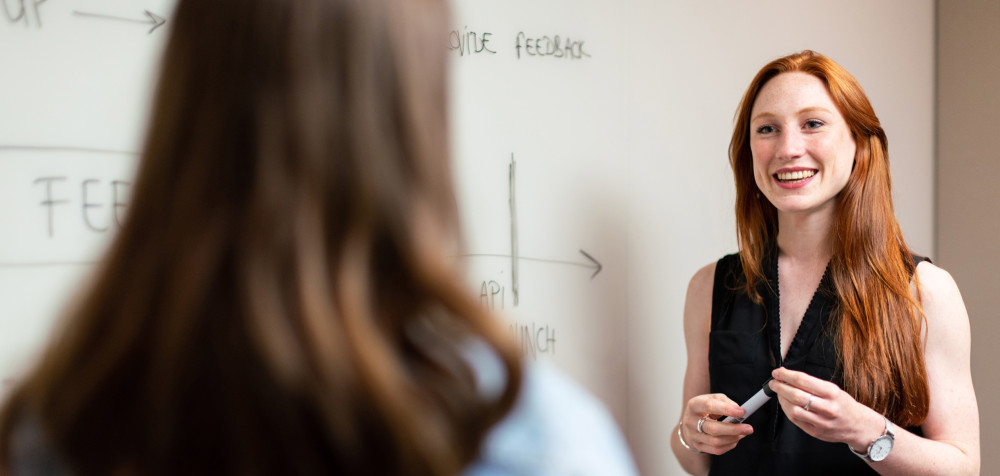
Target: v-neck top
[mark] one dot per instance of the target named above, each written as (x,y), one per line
(745,346)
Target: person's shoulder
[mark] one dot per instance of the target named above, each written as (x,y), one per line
(703,281)
(729,264)
(948,331)
(937,286)
(555,428)
(704,277)
(938,293)
(698,300)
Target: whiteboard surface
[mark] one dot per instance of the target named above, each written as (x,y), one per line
(74,95)
(615,149)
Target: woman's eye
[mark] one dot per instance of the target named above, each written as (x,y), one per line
(765,130)
(813,123)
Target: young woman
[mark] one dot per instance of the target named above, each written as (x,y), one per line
(282,298)
(868,344)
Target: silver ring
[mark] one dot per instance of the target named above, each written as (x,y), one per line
(700,423)
(809,402)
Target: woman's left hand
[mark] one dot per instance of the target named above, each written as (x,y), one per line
(823,410)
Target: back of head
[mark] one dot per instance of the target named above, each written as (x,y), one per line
(282,297)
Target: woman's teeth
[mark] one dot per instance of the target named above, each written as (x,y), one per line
(795,176)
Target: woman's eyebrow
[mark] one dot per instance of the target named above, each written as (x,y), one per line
(809,109)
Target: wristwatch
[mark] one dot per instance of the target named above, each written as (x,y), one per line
(879,449)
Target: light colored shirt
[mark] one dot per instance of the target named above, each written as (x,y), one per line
(556,428)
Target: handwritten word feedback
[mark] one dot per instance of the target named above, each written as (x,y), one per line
(472,42)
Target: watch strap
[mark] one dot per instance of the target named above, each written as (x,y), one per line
(889,431)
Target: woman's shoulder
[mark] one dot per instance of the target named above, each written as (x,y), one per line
(934,279)
(938,295)
(724,271)
(555,428)
(704,279)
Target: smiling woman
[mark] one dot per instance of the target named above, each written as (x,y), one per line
(802,149)
(825,297)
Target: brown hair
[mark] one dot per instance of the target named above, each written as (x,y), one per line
(879,335)
(282,298)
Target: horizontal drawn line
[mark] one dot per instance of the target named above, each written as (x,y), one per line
(151,18)
(86,150)
(109,17)
(489,255)
(42,264)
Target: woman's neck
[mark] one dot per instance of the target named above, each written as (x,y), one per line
(805,236)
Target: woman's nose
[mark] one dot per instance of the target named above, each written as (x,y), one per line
(791,145)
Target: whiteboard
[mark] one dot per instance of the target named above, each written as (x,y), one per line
(74,94)
(540,129)
(589,139)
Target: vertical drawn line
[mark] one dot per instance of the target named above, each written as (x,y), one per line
(513,229)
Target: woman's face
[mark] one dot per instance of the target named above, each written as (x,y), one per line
(802,149)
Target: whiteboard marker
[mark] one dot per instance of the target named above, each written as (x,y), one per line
(754,403)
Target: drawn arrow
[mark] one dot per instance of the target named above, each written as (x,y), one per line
(151,19)
(592,264)
(515,254)
(597,264)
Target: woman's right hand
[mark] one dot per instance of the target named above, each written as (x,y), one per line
(716,437)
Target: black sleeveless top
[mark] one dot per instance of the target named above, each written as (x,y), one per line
(744,347)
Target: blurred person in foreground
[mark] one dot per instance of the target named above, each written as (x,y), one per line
(283,297)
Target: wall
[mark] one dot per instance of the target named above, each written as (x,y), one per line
(968,164)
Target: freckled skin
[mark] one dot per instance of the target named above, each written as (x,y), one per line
(796,126)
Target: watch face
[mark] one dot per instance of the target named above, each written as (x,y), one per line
(880,448)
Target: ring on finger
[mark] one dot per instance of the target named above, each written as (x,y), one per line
(809,402)
(700,423)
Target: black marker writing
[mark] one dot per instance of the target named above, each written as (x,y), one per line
(554,46)
(88,203)
(50,202)
(153,20)
(488,293)
(118,200)
(534,339)
(469,42)
(591,262)
(23,11)
(514,256)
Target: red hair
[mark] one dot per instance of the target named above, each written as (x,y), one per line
(880,323)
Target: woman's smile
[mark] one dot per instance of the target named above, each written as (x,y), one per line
(803,151)
(794,178)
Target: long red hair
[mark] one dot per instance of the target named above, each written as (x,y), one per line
(880,322)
